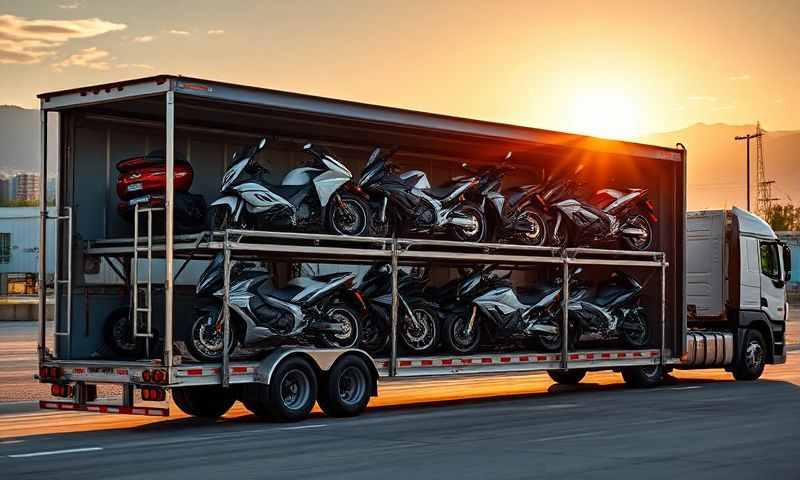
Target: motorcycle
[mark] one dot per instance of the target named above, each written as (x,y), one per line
(418,318)
(614,311)
(406,204)
(315,197)
(308,310)
(609,216)
(514,213)
(492,305)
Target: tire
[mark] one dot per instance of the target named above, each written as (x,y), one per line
(292,391)
(206,401)
(219,217)
(643,377)
(639,220)
(478,235)
(750,361)
(205,345)
(118,332)
(344,314)
(426,338)
(374,335)
(536,219)
(635,329)
(560,238)
(455,338)
(354,220)
(346,388)
(552,343)
(570,377)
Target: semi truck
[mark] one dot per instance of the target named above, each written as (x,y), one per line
(714,281)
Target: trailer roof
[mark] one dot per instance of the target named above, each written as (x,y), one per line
(209,91)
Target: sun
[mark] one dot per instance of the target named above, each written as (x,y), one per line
(603,113)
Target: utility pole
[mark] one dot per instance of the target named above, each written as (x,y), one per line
(747,138)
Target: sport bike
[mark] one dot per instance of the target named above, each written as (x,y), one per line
(309,310)
(418,318)
(612,310)
(406,204)
(318,196)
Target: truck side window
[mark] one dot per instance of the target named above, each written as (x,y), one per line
(770,265)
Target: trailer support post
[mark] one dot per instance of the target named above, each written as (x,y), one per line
(226,312)
(168,241)
(395,299)
(663,308)
(564,312)
(42,343)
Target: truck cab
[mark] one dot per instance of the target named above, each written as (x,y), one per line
(737,271)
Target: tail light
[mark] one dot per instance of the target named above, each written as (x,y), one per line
(154,376)
(50,373)
(146,375)
(152,394)
(651,211)
(650,205)
(64,391)
(360,297)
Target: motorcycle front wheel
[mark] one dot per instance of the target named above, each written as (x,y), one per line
(349,216)
(420,335)
(205,337)
(560,235)
(456,337)
(351,329)
(374,335)
(635,331)
(477,232)
(644,242)
(219,217)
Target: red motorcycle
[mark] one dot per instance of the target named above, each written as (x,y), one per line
(143,180)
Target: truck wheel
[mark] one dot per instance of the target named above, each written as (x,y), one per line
(750,362)
(345,389)
(207,401)
(292,391)
(570,377)
(643,377)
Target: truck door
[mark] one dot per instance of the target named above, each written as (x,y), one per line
(750,278)
(772,284)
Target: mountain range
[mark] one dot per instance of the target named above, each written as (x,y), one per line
(716,163)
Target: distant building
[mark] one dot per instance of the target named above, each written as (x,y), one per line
(793,240)
(51,190)
(19,240)
(27,186)
(7,192)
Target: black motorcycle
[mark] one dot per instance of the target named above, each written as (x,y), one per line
(317,196)
(614,311)
(418,318)
(406,204)
(491,305)
(309,310)
(608,217)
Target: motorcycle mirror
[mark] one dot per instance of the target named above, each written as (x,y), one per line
(579,169)
(577,271)
(262,144)
(465,166)
(307,146)
(374,155)
(508,156)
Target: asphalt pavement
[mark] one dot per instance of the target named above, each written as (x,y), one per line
(702,425)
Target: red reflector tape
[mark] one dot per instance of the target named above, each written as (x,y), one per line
(405,363)
(524,358)
(505,359)
(427,363)
(447,361)
(157,412)
(486,360)
(194,372)
(574,356)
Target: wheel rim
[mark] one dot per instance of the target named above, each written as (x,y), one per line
(372,336)
(347,337)
(536,234)
(420,335)
(461,339)
(295,389)
(207,339)
(634,327)
(651,371)
(551,342)
(349,217)
(474,231)
(754,355)
(643,242)
(352,386)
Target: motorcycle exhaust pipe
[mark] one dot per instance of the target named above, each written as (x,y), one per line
(539,328)
(463,222)
(633,232)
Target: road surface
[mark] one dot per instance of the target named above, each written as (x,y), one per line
(699,425)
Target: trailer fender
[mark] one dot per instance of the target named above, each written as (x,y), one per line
(321,359)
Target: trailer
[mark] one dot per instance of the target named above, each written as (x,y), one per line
(103,262)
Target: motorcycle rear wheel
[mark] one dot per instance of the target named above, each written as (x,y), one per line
(478,234)
(351,335)
(635,331)
(538,237)
(640,243)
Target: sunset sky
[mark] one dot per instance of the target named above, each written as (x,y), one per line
(617,69)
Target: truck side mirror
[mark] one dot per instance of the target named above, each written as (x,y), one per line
(787,263)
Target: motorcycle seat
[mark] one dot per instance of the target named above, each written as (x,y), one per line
(443,191)
(534,296)
(286,293)
(608,294)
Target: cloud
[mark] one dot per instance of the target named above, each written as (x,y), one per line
(142,66)
(723,107)
(92,58)
(28,41)
(216,32)
(702,98)
(143,39)
(179,32)
(71,6)
(738,78)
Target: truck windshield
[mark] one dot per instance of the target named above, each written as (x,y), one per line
(770,265)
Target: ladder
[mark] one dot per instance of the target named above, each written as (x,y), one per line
(58,281)
(143,288)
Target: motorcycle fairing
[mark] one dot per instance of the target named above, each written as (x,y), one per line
(315,289)
(235,205)
(328,182)
(233,173)
(260,199)
(300,176)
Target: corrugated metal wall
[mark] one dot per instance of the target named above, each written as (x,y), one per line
(22,223)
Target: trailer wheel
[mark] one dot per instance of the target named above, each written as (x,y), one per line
(750,362)
(207,401)
(292,391)
(570,377)
(643,377)
(345,388)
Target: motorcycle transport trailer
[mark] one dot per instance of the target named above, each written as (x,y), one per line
(102,262)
